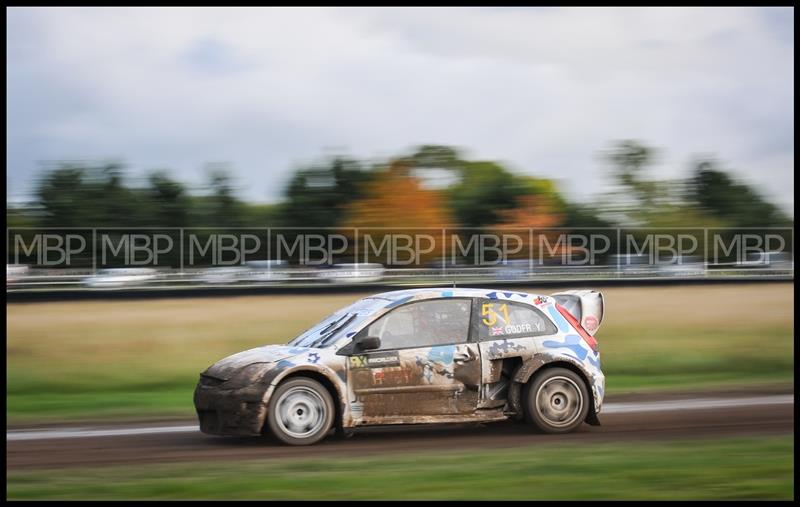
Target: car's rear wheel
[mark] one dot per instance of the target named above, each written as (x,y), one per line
(556,400)
(301,412)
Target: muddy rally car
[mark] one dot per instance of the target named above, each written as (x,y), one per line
(414,357)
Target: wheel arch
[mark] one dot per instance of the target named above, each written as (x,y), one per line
(315,373)
(539,363)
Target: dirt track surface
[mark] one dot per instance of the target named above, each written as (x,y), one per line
(194,446)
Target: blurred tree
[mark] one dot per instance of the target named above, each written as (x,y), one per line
(532,211)
(485,190)
(224,209)
(169,203)
(217,206)
(717,194)
(88,196)
(629,159)
(396,199)
(21,215)
(121,206)
(316,197)
(577,216)
(637,201)
(481,194)
(431,155)
(537,206)
(260,215)
(58,192)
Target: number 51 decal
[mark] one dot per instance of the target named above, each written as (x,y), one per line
(488,309)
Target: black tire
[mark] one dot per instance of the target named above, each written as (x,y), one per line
(301,412)
(556,400)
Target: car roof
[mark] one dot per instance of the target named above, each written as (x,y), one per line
(439,292)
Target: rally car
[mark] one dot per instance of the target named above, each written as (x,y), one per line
(413,357)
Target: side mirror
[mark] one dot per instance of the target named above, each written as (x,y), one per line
(369,343)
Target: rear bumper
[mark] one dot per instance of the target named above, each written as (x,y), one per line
(239,412)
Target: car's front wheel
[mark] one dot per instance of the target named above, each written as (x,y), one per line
(556,400)
(301,412)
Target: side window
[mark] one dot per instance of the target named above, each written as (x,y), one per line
(503,319)
(422,324)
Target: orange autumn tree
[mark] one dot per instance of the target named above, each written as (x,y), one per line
(396,200)
(539,209)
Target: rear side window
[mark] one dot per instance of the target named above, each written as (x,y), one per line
(503,319)
(423,324)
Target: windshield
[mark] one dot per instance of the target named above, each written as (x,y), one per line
(333,326)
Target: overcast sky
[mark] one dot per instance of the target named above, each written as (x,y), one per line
(265,90)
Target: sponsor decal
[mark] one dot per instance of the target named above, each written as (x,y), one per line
(518,328)
(357,408)
(590,323)
(391,377)
(511,329)
(380,359)
(540,300)
(358,361)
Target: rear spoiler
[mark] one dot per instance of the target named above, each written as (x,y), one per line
(585,305)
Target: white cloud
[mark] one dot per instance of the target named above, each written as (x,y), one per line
(544,89)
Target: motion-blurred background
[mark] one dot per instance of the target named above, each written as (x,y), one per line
(282,123)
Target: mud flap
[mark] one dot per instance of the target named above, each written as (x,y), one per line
(592,419)
(344,433)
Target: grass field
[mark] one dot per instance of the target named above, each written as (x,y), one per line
(102,359)
(744,468)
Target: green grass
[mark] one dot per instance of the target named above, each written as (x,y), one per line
(743,468)
(110,359)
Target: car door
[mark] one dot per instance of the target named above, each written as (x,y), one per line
(425,366)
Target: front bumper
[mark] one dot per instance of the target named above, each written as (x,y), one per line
(239,412)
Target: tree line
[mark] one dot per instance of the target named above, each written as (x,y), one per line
(400,192)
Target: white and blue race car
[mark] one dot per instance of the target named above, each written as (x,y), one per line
(414,357)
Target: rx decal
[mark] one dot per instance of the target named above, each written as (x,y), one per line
(358,361)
